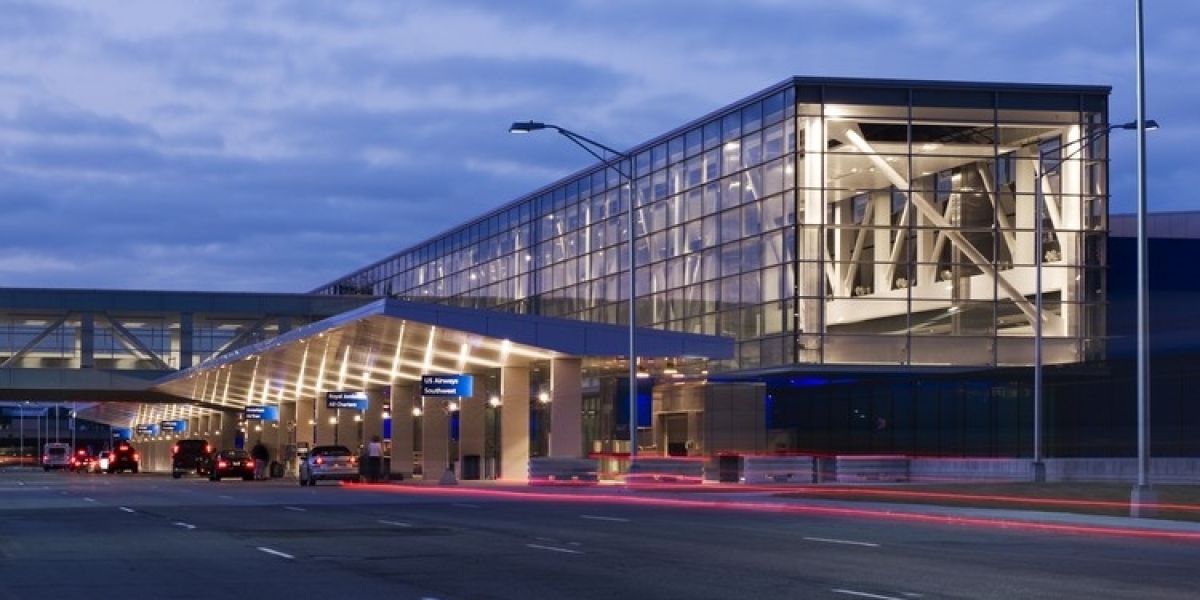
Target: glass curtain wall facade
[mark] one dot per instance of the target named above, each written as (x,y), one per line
(819,222)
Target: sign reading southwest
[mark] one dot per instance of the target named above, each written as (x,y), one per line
(447,385)
(351,400)
(263,413)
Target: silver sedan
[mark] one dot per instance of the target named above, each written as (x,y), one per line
(336,463)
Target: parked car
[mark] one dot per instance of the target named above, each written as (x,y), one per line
(325,463)
(100,465)
(123,458)
(230,463)
(190,456)
(56,455)
(81,461)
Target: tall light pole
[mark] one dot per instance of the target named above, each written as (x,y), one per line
(1039,466)
(1142,497)
(590,146)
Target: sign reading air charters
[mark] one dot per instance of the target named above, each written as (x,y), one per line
(350,400)
(447,385)
(261,413)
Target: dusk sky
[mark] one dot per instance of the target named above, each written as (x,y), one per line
(274,146)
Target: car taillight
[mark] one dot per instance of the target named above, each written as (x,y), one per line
(208,448)
(135,456)
(222,464)
(319,460)
(353,460)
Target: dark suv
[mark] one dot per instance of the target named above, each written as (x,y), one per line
(190,456)
(123,458)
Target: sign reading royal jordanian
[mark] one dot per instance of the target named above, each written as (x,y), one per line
(350,400)
(447,385)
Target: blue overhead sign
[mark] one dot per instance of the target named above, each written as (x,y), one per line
(147,429)
(447,385)
(173,426)
(350,400)
(261,413)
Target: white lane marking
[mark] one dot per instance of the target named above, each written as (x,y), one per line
(127,509)
(599,518)
(184,525)
(553,549)
(394,523)
(295,508)
(276,553)
(845,542)
(89,499)
(224,497)
(865,595)
(462,505)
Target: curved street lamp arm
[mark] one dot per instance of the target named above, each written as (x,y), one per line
(589,145)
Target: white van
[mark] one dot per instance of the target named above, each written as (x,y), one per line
(56,455)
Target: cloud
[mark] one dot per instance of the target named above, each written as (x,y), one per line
(275,145)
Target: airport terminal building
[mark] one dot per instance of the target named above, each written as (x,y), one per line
(829,266)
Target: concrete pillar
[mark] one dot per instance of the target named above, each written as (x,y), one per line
(472,435)
(372,423)
(514,423)
(435,437)
(306,421)
(345,431)
(289,425)
(566,408)
(403,400)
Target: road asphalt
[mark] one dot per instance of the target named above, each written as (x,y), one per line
(781,498)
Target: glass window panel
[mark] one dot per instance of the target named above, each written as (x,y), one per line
(675,149)
(694,141)
(774,108)
(752,117)
(658,157)
(712,135)
(731,127)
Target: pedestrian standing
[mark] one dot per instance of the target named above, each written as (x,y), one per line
(261,456)
(374,459)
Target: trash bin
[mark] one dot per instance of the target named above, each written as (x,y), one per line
(729,468)
(471,466)
(276,469)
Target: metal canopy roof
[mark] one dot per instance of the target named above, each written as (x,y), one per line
(395,340)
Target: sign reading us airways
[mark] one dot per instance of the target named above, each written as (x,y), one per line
(447,385)
(351,400)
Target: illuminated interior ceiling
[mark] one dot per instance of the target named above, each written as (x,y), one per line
(851,170)
(394,340)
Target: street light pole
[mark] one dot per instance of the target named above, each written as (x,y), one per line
(1039,465)
(1142,497)
(590,147)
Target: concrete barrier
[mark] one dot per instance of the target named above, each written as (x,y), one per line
(563,471)
(860,469)
(1164,470)
(778,469)
(659,469)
